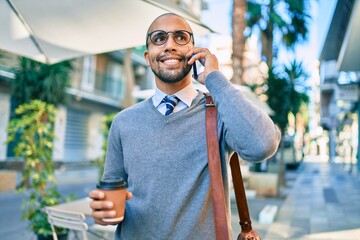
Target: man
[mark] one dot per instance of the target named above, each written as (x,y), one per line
(162,154)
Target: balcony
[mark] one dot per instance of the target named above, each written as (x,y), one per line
(98,86)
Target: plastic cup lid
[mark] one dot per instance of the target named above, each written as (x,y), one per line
(112,184)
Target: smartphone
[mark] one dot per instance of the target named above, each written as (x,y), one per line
(195,71)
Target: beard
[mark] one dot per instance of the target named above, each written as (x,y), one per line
(172,76)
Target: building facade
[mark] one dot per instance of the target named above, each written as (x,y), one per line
(340,79)
(100,85)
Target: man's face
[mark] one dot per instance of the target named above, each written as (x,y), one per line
(168,61)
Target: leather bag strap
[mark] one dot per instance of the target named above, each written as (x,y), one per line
(241,202)
(217,190)
(216,181)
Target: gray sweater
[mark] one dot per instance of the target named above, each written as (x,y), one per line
(164,160)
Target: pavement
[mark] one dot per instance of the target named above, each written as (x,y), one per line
(323,203)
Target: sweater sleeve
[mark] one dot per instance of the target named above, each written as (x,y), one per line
(246,129)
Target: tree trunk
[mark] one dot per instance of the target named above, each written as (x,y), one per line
(128,99)
(281,169)
(267,45)
(294,153)
(238,27)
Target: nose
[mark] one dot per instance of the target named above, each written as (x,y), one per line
(170,43)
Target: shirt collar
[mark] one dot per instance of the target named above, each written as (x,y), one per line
(186,95)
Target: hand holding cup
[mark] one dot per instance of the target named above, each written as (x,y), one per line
(109,201)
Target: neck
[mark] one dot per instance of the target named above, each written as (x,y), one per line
(171,88)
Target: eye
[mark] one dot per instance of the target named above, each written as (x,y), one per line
(181,37)
(159,37)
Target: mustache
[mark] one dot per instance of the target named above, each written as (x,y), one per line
(181,56)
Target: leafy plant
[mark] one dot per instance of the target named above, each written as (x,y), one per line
(33,210)
(278,92)
(35,80)
(296,76)
(35,126)
(100,162)
(284,98)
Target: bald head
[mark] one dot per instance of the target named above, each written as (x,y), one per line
(164,20)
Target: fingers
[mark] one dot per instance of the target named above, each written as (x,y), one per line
(97,203)
(199,54)
(129,195)
(206,58)
(96,195)
(103,209)
(103,214)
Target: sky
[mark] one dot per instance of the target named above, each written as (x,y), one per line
(218,17)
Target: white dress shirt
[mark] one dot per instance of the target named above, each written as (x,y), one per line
(186,96)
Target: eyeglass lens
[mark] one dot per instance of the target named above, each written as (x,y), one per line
(160,37)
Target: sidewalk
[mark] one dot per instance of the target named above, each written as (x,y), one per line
(323,204)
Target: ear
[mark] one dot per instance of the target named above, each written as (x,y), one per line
(146,56)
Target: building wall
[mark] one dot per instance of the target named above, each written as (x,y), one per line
(96,138)
(4,120)
(59,128)
(91,107)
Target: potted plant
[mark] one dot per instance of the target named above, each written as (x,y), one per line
(34,128)
(33,211)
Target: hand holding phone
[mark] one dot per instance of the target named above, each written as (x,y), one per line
(208,63)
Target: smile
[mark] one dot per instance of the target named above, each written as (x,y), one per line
(171,62)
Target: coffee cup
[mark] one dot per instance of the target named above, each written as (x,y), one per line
(115,191)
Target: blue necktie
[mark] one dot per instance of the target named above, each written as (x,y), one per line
(170,102)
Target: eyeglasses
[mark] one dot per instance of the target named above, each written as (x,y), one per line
(159,37)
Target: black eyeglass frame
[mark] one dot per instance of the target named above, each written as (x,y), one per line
(167,37)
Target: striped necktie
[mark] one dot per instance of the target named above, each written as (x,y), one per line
(170,102)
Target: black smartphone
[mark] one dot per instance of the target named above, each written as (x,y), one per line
(195,71)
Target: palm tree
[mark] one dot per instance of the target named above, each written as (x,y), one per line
(284,98)
(278,92)
(296,77)
(287,19)
(35,80)
(238,47)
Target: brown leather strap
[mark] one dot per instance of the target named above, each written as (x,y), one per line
(217,190)
(216,181)
(242,206)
